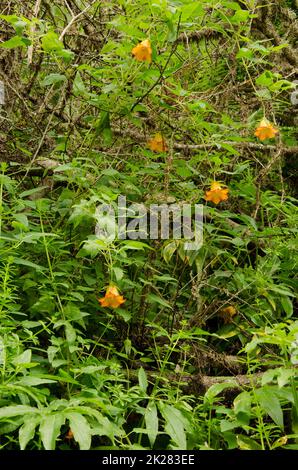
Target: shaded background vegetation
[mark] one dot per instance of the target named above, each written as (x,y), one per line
(79,111)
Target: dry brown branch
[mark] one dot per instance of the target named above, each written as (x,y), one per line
(214,145)
(199,384)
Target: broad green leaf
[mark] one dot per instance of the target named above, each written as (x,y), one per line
(216,389)
(242,406)
(270,404)
(281,290)
(79,88)
(27,431)
(33,381)
(53,78)
(191,11)
(119,273)
(70,333)
(153,298)
(80,428)
(168,250)
(142,377)
(284,376)
(287,305)
(268,376)
(174,424)
(105,427)
(16,410)
(50,42)
(50,429)
(24,358)
(29,264)
(151,421)
(134,245)
(16,41)
(246,443)
(241,16)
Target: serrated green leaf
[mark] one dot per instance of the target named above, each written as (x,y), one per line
(174,424)
(27,431)
(49,429)
(269,402)
(80,428)
(16,410)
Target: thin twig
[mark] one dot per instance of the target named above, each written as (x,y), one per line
(32,30)
(74,19)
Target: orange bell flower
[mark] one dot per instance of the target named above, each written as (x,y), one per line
(265,130)
(142,51)
(112,298)
(158,143)
(228,313)
(216,193)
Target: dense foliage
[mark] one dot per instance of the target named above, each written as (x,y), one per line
(140,343)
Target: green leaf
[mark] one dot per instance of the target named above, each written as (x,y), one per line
(50,429)
(16,41)
(270,404)
(281,290)
(242,406)
(53,78)
(24,358)
(174,424)
(168,250)
(241,16)
(79,88)
(16,410)
(246,443)
(2,351)
(70,333)
(142,377)
(134,245)
(33,381)
(287,305)
(118,272)
(265,79)
(104,427)
(216,389)
(50,42)
(151,421)
(191,11)
(27,431)
(152,299)
(80,428)
(284,376)
(29,264)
